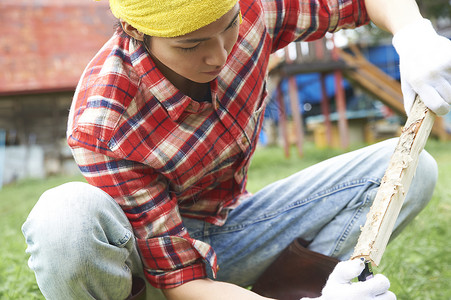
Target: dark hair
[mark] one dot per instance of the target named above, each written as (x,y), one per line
(146,41)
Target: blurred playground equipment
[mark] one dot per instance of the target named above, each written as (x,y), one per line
(336,92)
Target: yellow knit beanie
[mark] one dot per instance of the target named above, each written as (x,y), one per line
(170,18)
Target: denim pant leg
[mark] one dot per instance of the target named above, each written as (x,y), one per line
(325,204)
(81,244)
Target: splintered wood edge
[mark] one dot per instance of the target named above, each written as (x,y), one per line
(394,186)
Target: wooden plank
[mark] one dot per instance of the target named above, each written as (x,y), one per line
(371,86)
(340,100)
(373,69)
(375,82)
(296,114)
(395,184)
(312,67)
(283,121)
(325,110)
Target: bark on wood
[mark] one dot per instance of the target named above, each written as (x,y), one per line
(395,184)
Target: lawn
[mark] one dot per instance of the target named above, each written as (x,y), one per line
(418,262)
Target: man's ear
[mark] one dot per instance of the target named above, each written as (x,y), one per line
(132,31)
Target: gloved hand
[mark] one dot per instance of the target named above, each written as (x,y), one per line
(425,66)
(339,286)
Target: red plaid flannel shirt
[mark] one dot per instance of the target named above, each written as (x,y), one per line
(162,155)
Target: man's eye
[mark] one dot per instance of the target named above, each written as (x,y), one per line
(189,49)
(235,23)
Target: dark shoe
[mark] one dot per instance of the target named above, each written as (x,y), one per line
(296,273)
(138,289)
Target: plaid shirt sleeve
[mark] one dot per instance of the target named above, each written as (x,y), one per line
(169,255)
(295,20)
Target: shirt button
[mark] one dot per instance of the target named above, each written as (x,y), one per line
(244,141)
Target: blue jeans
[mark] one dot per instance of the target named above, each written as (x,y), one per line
(81,243)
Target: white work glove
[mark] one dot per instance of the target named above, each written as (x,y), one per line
(425,66)
(339,286)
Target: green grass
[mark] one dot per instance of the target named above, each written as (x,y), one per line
(418,262)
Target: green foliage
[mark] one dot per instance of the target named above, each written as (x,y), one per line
(435,9)
(417,262)
(370,34)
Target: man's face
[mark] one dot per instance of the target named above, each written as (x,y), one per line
(200,55)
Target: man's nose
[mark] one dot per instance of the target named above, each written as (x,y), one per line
(217,53)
